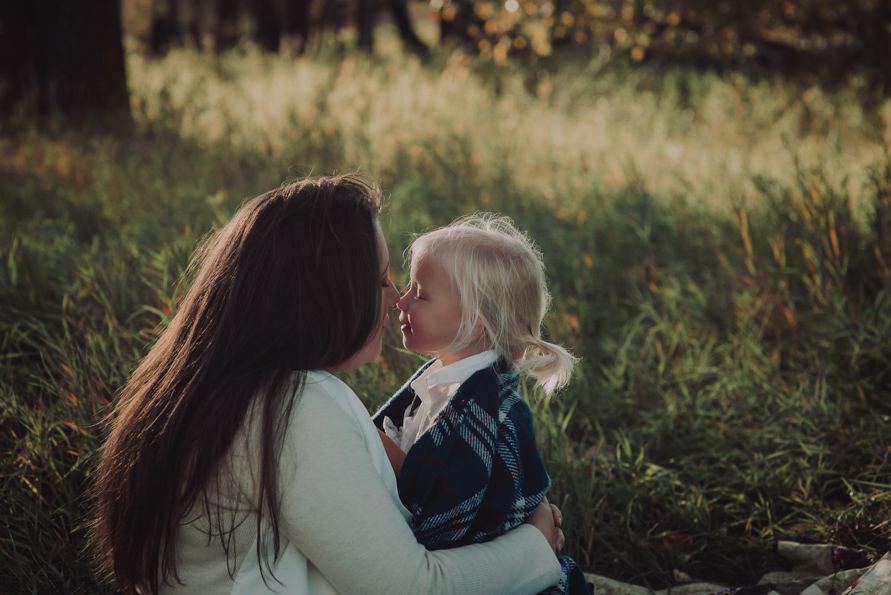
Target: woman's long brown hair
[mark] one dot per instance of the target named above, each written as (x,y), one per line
(290,284)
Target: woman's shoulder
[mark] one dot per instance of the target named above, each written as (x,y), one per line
(327,404)
(322,390)
(320,381)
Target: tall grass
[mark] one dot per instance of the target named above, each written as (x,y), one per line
(718,247)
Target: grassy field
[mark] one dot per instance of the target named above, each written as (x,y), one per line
(718,247)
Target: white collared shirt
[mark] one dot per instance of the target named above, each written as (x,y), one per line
(434,388)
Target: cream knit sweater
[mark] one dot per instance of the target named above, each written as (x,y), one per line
(342,526)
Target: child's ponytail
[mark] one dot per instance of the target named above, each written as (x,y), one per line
(550,364)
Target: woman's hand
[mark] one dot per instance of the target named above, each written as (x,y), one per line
(547,518)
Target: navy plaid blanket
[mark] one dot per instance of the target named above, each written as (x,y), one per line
(477,472)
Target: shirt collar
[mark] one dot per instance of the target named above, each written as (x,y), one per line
(435,386)
(463,369)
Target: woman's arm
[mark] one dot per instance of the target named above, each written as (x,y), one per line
(336,510)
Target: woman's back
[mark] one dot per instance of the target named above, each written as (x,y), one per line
(310,472)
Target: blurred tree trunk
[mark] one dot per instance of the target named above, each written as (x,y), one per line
(18,55)
(296,22)
(165,31)
(446,25)
(456,19)
(64,56)
(226,33)
(400,16)
(874,31)
(366,24)
(268,28)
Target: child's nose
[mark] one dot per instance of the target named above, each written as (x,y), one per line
(402,302)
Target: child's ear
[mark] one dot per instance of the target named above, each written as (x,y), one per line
(479,327)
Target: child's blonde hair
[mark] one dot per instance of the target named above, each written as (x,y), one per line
(499,276)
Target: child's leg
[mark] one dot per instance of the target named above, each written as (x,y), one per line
(577,584)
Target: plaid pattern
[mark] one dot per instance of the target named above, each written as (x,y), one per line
(476,473)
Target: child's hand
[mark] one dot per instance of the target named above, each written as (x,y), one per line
(394,453)
(547,518)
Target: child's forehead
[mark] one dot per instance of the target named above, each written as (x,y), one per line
(421,258)
(434,269)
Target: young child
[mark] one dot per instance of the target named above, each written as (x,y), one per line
(467,463)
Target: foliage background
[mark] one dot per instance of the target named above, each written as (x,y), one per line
(824,39)
(717,243)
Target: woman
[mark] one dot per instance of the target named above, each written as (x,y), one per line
(238,464)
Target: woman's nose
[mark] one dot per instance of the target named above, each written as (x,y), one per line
(392,295)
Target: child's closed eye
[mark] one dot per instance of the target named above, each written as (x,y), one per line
(412,288)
